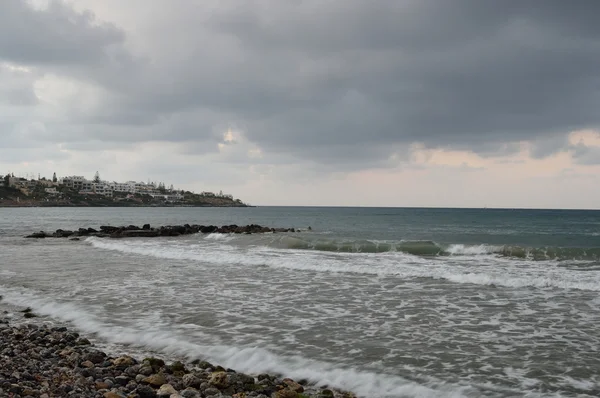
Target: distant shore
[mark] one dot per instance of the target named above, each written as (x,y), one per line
(41,204)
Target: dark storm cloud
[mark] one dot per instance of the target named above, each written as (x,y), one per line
(340,82)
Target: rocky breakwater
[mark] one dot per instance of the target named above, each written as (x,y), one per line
(43,362)
(147,231)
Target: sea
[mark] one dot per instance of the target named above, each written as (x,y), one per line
(384,302)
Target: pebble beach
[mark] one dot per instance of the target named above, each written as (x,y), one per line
(38,360)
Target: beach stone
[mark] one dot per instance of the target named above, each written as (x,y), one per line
(154,363)
(123,362)
(87,364)
(176,367)
(100,385)
(95,357)
(285,393)
(122,380)
(191,380)
(146,370)
(132,385)
(241,379)
(155,380)
(112,394)
(292,385)
(203,364)
(210,391)
(190,393)
(219,379)
(145,392)
(83,341)
(140,377)
(166,390)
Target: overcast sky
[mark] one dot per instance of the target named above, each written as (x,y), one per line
(465,103)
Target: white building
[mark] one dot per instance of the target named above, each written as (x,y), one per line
(75,182)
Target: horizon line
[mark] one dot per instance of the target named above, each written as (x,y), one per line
(434,207)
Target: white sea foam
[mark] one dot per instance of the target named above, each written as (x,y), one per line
(246,359)
(219,237)
(472,250)
(507,272)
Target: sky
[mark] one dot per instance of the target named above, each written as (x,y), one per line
(458,103)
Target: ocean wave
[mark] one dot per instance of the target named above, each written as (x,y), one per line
(247,359)
(430,248)
(473,269)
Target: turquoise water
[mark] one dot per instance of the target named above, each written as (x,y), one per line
(386,302)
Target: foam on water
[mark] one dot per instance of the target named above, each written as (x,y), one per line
(472,269)
(219,237)
(246,359)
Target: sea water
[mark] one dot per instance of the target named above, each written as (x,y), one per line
(384,302)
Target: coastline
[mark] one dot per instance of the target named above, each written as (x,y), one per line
(42,360)
(41,204)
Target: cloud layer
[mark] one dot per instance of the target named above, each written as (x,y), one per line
(310,90)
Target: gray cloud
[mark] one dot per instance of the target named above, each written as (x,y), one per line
(345,84)
(585,154)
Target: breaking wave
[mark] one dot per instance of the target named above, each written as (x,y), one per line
(431,248)
(479,268)
(146,336)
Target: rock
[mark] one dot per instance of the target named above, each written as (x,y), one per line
(202,364)
(37,235)
(241,379)
(29,315)
(95,357)
(219,379)
(191,380)
(87,364)
(285,393)
(292,385)
(75,239)
(112,394)
(190,393)
(146,370)
(83,341)
(122,380)
(177,366)
(146,226)
(155,363)
(100,385)
(326,393)
(166,390)
(123,362)
(210,391)
(145,392)
(155,380)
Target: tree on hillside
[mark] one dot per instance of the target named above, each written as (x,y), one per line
(54,179)
(97,179)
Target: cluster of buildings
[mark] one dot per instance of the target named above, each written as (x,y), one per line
(102,188)
(105,188)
